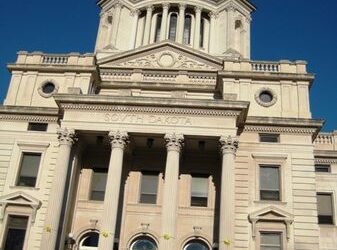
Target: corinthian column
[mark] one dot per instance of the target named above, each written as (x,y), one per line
(119,140)
(174,143)
(211,42)
(181,23)
(196,43)
(116,19)
(135,14)
(229,146)
(66,139)
(163,24)
(147,29)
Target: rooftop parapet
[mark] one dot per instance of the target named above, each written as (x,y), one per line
(327,141)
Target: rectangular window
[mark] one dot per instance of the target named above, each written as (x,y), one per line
(149,188)
(269,182)
(15,232)
(29,169)
(325,208)
(33,126)
(272,138)
(199,191)
(98,184)
(320,168)
(270,241)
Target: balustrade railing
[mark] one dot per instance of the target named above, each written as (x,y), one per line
(324,138)
(265,67)
(54,59)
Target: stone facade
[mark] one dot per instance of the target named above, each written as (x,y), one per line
(167,137)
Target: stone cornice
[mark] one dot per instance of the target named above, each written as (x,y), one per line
(326,160)
(31,114)
(326,155)
(53,68)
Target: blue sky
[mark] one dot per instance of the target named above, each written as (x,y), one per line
(287,29)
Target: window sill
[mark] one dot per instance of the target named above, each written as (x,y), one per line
(25,188)
(270,202)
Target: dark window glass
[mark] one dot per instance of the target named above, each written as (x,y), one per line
(199,191)
(202,33)
(16,232)
(271,241)
(173,27)
(158,28)
(274,138)
(196,245)
(98,183)
(149,187)
(322,168)
(90,240)
(325,208)
(269,183)
(266,96)
(48,88)
(29,169)
(32,126)
(144,243)
(187,29)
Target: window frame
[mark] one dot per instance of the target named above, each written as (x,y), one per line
(328,166)
(206,176)
(271,231)
(101,170)
(20,168)
(278,137)
(148,173)
(18,151)
(169,26)
(279,177)
(276,160)
(333,206)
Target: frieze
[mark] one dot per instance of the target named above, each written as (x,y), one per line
(292,130)
(325,161)
(154,110)
(30,118)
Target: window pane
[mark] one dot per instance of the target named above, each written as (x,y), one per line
(158,28)
(325,209)
(144,244)
(173,27)
(269,138)
(271,241)
(32,126)
(148,190)
(196,245)
(187,29)
(16,231)
(202,32)
(269,178)
(29,168)
(199,191)
(322,168)
(98,184)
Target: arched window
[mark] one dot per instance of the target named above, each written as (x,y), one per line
(196,245)
(202,33)
(173,27)
(158,28)
(144,243)
(89,241)
(187,29)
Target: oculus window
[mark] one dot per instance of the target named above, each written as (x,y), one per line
(325,208)
(29,168)
(270,182)
(149,188)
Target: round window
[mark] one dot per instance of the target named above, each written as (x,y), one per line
(144,243)
(196,245)
(48,88)
(266,96)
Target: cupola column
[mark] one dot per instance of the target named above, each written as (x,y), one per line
(119,141)
(212,17)
(174,144)
(118,8)
(229,147)
(181,23)
(147,28)
(135,14)
(66,139)
(163,26)
(230,27)
(196,43)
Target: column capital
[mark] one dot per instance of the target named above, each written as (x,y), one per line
(230,7)
(149,8)
(213,15)
(118,139)
(198,9)
(66,136)
(229,144)
(174,142)
(118,5)
(166,6)
(182,6)
(135,12)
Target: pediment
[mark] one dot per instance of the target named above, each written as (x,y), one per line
(19,198)
(166,55)
(271,213)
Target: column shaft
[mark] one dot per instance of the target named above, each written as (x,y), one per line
(170,199)
(227,200)
(147,30)
(116,19)
(181,23)
(163,25)
(111,197)
(211,33)
(135,14)
(66,139)
(230,27)
(196,43)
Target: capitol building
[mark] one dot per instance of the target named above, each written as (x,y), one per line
(167,137)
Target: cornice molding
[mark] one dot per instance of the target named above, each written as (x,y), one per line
(30,118)
(325,161)
(291,130)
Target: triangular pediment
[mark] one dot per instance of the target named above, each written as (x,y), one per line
(19,198)
(166,55)
(271,213)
